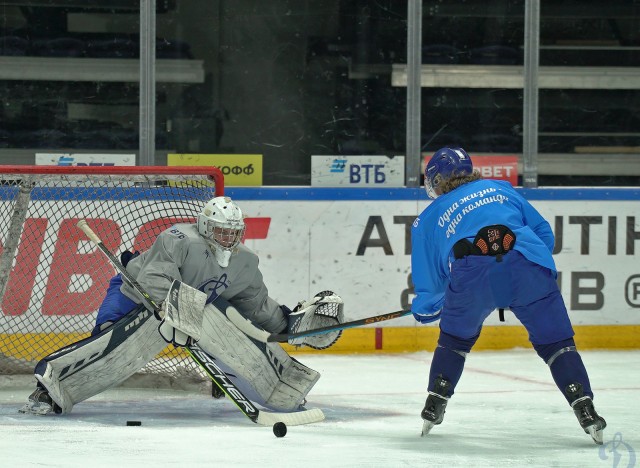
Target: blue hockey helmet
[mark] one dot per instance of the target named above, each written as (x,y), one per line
(444,164)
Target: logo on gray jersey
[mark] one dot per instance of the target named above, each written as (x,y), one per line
(215,287)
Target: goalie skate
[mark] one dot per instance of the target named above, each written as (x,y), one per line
(40,403)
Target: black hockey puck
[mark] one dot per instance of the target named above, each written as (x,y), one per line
(139,423)
(280,429)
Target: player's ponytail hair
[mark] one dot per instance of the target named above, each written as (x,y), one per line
(447,185)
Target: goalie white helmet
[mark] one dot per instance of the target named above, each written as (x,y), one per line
(221,223)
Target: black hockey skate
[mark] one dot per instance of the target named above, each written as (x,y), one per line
(589,420)
(216,392)
(433,412)
(40,403)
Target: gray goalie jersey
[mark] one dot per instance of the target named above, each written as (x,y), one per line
(182,253)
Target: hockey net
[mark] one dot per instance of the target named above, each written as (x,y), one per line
(52,278)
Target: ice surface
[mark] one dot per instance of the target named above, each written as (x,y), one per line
(506,413)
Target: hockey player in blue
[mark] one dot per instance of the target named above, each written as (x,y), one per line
(480,246)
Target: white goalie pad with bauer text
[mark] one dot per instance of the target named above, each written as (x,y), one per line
(90,366)
(325,309)
(265,373)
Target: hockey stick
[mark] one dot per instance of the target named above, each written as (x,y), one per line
(249,329)
(205,361)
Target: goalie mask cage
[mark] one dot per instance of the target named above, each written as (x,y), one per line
(52,278)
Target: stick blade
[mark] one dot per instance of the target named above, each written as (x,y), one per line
(298,418)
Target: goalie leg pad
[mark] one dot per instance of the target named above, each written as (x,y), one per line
(265,373)
(90,366)
(325,309)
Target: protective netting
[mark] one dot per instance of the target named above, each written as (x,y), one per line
(53,279)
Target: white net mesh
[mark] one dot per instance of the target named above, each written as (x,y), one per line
(53,279)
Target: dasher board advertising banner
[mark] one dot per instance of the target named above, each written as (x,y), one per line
(85,159)
(357,171)
(240,170)
(360,248)
(356,243)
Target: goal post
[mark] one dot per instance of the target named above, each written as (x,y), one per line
(52,278)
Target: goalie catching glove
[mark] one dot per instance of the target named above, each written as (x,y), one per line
(325,309)
(182,313)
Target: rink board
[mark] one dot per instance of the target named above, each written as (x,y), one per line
(356,242)
(492,338)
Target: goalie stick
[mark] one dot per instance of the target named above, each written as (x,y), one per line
(249,329)
(206,362)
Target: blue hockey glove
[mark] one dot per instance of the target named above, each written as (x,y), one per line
(427,318)
(127,256)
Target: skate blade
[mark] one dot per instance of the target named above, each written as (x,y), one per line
(426,427)
(596,435)
(37,409)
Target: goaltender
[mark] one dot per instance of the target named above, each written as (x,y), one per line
(210,261)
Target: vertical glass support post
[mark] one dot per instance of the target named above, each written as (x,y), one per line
(414,89)
(147,134)
(530,93)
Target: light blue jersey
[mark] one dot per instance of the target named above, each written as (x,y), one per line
(460,214)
